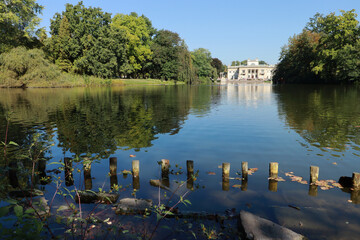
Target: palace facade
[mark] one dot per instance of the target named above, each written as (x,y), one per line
(251,71)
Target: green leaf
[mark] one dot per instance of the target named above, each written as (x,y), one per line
(13,143)
(187,201)
(29,211)
(4,211)
(18,211)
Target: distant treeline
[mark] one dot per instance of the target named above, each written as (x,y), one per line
(89,42)
(326,51)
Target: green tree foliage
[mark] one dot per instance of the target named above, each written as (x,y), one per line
(296,58)
(20,66)
(243,62)
(18,22)
(202,62)
(171,58)
(331,50)
(83,42)
(218,65)
(236,63)
(262,62)
(138,30)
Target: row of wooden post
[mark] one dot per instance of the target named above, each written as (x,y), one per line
(165,165)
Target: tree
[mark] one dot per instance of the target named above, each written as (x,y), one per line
(83,42)
(217,64)
(262,62)
(296,58)
(235,63)
(202,62)
(171,58)
(18,22)
(138,31)
(337,33)
(326,51)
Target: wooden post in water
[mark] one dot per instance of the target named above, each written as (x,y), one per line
(165,165)
(135,168)
(190,174)
(69,180)
(314,174)
(113,171)
(87,176)
(244,173)
(355,193)
(225,176)
(356,180)
(273,174)
(135,171)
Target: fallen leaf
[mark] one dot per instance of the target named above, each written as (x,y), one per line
(132,155)
(220,166)
(236,186)
(335,163)
(126,172)
(349,201)
(211,173)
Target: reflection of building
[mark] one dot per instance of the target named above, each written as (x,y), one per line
(251,71)
(248,94)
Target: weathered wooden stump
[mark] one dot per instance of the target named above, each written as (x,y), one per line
(87,176)
(225,176)
(113,171)
(273,175)
(190,174)
(314,174)
(356,180)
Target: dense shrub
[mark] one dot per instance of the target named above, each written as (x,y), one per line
(21,67)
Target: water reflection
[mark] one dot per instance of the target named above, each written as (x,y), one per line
(99,121)
(327,117)
(248,94)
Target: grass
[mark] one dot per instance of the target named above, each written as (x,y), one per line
(143,82)
(71,80)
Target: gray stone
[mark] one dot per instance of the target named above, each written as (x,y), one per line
(93,197)
(133,206)
(257,228)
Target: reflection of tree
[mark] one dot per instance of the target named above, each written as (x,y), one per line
(328,116)
(100,120)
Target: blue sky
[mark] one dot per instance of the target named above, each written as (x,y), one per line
(231,30)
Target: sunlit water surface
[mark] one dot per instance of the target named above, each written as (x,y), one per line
(296,126)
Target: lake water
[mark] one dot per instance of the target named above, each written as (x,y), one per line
(297,126)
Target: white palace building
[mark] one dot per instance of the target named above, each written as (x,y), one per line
(251,71)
